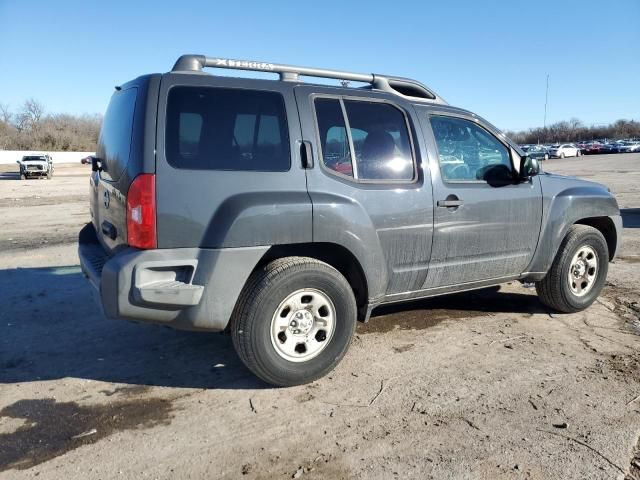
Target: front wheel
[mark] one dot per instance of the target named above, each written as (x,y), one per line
(578,153)
(562,155)
(546,156)
(578,272)
(294,321)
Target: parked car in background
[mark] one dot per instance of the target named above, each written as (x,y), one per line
(592,148)
(564,150)
(610,148)
(36,166)
(539,152)
(628,147)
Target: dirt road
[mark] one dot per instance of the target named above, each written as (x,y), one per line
(488,384)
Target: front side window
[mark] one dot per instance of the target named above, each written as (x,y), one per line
(376,131)
(226,129)
(468,152)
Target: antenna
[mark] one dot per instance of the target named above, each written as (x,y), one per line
(546,100)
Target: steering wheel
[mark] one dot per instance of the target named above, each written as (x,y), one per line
(460,172)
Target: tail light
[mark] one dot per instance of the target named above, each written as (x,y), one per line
(141,212)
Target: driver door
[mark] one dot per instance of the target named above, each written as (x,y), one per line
(486,224)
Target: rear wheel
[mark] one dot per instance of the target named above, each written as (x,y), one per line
(578,272)
(294,321)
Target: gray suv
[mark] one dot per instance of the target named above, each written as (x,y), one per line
(286,211)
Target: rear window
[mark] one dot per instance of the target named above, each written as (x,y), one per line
(226,129)
(114,143)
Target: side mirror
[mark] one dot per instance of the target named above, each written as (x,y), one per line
(529,167)
(96,164)
(18,162)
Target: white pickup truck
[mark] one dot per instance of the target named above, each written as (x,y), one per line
(36,166)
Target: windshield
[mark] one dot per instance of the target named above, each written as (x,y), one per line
(26,159)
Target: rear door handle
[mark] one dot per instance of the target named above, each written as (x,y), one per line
(306,152)
(450,203)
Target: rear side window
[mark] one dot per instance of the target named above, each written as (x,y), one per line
(334,141)
(380,140)
(376,132)
(114,143)
(226,129)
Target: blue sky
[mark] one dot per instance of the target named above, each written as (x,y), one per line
(491,57)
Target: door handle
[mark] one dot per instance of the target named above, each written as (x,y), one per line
(451,201)
(306,152)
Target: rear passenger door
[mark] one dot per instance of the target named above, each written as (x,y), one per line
(228,164)
(368,189)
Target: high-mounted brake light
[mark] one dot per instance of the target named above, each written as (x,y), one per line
(141,212)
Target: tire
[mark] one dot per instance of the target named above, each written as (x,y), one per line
(578,153)
(561,154)
(556,290)
(546,156)
(22,176)
(49,175)
(272,299)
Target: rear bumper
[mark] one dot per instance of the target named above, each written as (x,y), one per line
(185,288)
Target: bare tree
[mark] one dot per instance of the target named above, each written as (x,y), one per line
(574,130)
(5,113)
(29,116)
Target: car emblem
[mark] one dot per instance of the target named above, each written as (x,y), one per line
(106,199)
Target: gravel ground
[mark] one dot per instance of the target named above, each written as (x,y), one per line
(487,384)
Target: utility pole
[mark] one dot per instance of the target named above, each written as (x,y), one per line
(546,100)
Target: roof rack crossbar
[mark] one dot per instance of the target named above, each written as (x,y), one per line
(195,63)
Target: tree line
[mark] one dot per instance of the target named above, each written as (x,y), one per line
(574,130)
(31,128)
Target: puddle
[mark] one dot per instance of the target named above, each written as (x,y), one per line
(51,429)
(422,314)
(413,320)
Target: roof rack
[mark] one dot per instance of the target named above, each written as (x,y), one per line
(400,86)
